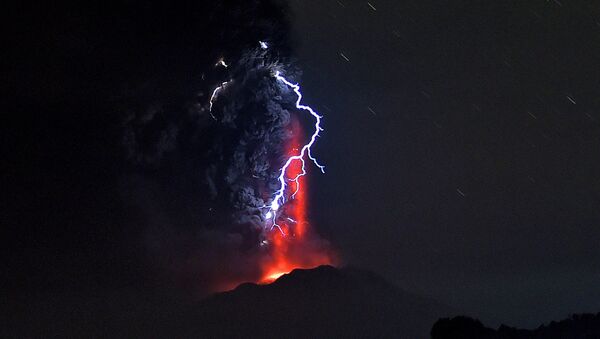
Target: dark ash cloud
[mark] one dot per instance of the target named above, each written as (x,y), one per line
(197,178)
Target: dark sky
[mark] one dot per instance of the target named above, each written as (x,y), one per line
(461,147)
(475,178)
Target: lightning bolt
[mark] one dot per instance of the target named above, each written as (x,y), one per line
(221,62)
(214,96)
(279,198)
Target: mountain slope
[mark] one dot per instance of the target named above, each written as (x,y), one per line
(319,302)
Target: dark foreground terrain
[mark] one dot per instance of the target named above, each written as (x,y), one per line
(578,326)
(324,302)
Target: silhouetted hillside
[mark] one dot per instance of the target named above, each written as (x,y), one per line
(322,302)
(578,326)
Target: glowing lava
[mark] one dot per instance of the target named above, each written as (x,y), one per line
(295,246)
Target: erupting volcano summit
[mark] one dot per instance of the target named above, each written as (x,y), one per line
(287,240)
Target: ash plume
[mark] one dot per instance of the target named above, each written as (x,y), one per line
(201,168)
(252,116)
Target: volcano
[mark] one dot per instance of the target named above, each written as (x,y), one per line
(316,303)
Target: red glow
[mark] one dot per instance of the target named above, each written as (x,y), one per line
(299,248)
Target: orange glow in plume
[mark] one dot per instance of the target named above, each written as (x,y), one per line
(298,248)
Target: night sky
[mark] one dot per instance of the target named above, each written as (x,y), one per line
(475,178)
(461,143)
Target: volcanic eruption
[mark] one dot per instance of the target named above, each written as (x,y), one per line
(289,247)
(276,203)
(219,154)
(294,245)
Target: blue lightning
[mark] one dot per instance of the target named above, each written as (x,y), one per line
(214,96)
(279,199)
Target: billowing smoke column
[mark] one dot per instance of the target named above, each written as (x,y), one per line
(215,133)
(285,208)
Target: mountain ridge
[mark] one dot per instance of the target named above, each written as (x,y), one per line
(320,302)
